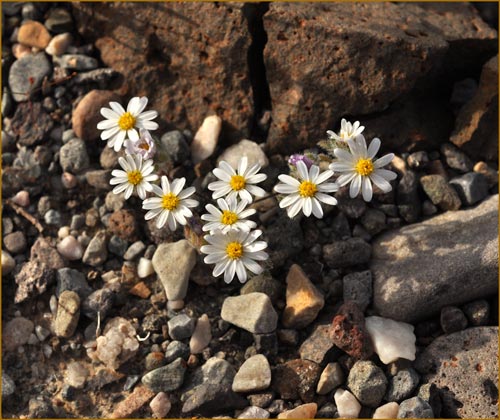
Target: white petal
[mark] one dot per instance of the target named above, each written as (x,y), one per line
(313,173)
(373,148)
(302,170)
(384,160)
(344,155)
(325,198)
(328,187)
(380,182)
(307,206)
(242,165)
(287,179)
(219,173)
(221,267)
(107,134)
(119,140)
(241,272)
(317,211)
(355,186)
(255,179)
(177,185)
(252,265)
(148,125)
(294,209)
(226,167)
(345,178)
(323,176)
(257,191)
(148,115)
(386,174)
(115,106)
(290,200)
(110,114)
(132,134)
(285,189)
(366,189)
(106,124)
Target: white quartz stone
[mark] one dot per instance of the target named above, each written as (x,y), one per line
(387,411)
(145,268)
(391,339)
(206,138)
(347,404)
(202,335)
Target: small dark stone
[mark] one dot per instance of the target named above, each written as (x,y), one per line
(452,319)
(318,345)
(68,392)
(73,156)
(117,246)
(154,360)
(15,242)
(166,378)
(402,385)
(456,159)
(327,411)
(176,349)
(285,239)
(102,300)
(264,283)
(415,408)
(59,20)
(471,187)
(353,208)
(288,337)
(296,379)
(374,221)
(130,382)
(69,279)
(357,287)
(478,312)
(430,394)
(261,400)
(41,408)
(367,382)
(31,123)
(347,253)
(340,227)
(213,399)
(440,192)
(407,197)
(418,160)
(266,344)
(175,146)
(277,407)
(153,322)
(181,326)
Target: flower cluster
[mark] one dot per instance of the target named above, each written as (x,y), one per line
(231,237)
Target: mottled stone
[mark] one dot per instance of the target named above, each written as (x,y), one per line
(68,314)
(440,192)
(253,375)
(347,253)
(367,382)
(304,411)
(32,280)
(317,346)
(16,333)
(296,379)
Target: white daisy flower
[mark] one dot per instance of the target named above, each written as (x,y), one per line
(347,131)
(135,176)
(230,215)
(360,168)
(145,146)
(120,124)
(171,204)
(235,252)
(241,182)
(306,193)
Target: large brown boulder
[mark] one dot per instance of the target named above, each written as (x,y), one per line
(190,59)
(329,60)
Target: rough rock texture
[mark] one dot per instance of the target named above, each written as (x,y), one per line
(324,61)
(476,128)
(420,268)
(189,59)
(464,366)
(296,379)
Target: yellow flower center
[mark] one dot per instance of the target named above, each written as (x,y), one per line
(144,146)
(134,177)
(170,201)
(307,189)
(228,217)
(234,250)
(237,182)
(364,167)
(126,121)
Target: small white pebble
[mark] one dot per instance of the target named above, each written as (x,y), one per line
(63,232)
(201,336)
(22,198)
(47,351)
(59,44)
(175,305)
(160,405)
(70,248)
(41,333)
(206,138)
(387,411)
(347,404)
(53,305)
(145,268)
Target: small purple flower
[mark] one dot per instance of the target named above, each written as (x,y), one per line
(145,146)
(300,158)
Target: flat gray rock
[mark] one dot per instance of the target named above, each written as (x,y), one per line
(464,367)
(449,259)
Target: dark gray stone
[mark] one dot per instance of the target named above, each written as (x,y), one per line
(347,253)
(440,192)
(181,326)
(26,74)
(284,240)
(477,312)
(317,346)
(59,20)
(367,382)
(415,408)
(374,221)
(264,283)
(69,279)
(407,197)
(167,378)
(327,411)
(213,399)
(8,385)
(102,300)
(430,394)
(456,159)
(471,187)
(73,156)
(96,252)
(357,287)
(176,349)
(117,246)
(266,344)
(402,385)
(420,268)
(452,319)
(174,145)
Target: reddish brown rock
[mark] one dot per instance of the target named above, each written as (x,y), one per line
(189,59)
(139,397)
(86,114)
(296,379)
(328,60)
(476,128)
(123,223)
(349,332)
(31,123)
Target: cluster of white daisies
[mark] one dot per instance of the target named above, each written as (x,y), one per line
(231,239)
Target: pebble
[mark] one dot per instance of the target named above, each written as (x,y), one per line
(428,209)
(288,337)
(78,62)
(16,333)
(210,400)
(167,378)
(74,280)
(30,11)
(415,408)
(316,347)
(33,34)
(327,411)
(353,251)
(176,349)
(63,232)
(114,202)
(154,360)
(15,242)
(96,252)
(70,248)
(175,145)
(296,379)
(455,158)
(160,405)
(331,377)
(285,239)
(27,74)
(202,335)
(140,289)
(253,375)
(253,412)
(59,44)
(76,374)
(68,314)
(264,283)
(471,187)
(477,312)
(206,138)
(173,263)
(374,221)
(144,268)
(304,411)
(303,299)
(32,280)
(8,385)
(488,172)
(386,411)
(402,385)
(22,198)
(181,326)
(8,263)
(391,339)
(248,148)
(40,407)
(101,300)
(117,344)
(253,312)
(139,397)
(440,192)
(367,382)
(418,160)
(175,305)
(452,319)
(134,251)
(347,404)
(53,218)
(349,332)
(117,246)
(73,156)
(357,287)
(41,332)
(59,20)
